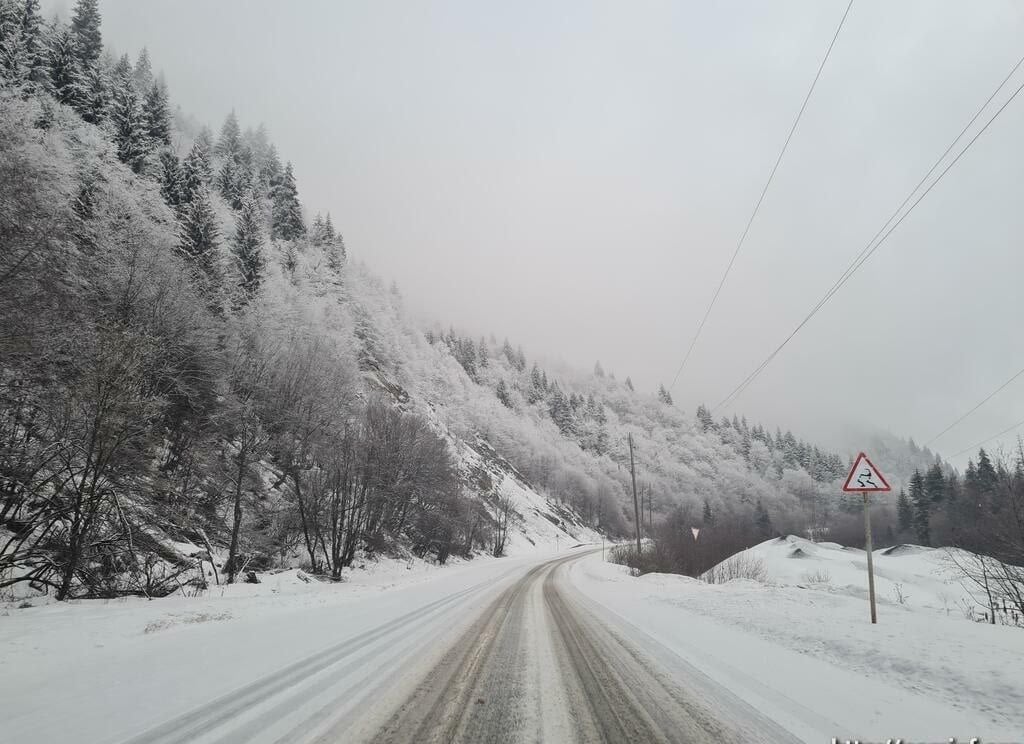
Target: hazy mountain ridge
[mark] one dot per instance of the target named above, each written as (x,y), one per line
(193,366)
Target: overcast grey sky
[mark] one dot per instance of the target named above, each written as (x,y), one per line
(575,175)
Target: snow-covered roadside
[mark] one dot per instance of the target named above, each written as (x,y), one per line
(119,667)
(808,657)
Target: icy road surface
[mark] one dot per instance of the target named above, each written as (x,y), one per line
(562,648)
(505,651)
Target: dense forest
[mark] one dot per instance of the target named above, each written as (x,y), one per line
(197,378)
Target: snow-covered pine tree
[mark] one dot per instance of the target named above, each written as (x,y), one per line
(537,389)
(22,45)
(156,114)
(127,126)
(196,172)
(61,67)
(269,169)
(664,395)
(503,394)
(85,26)
(142,73)
(199,235)
(229,144)
(561,413)
(171,179)
(629,384)
(316,231)
(92,99)
(286,211)
(247,246)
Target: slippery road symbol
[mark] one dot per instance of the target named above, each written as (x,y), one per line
(864,477)
(864,480)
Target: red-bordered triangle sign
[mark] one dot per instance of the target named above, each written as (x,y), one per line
(864,476)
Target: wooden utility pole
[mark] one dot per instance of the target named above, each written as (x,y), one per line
(650,512)
(636,502)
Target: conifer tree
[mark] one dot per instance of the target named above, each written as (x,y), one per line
(561,413)
(269,169)
(629,384)
(93,94)
(229,144)
(316,232)
(922,508)
(935,484)
(23,51)
(126,119)
(509,353)
(904,512)
(482,354)
(664,395)
(171,180)
(156,115)
(286,212)
(248,246)
(142,74)
(708,516)
(598,369)
(199,234)
(503,394)
(63,81)
(85,26)
(196,172)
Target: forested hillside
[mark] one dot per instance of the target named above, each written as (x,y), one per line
(196,378)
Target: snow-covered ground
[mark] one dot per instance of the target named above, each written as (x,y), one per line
(118,667)
(802,649)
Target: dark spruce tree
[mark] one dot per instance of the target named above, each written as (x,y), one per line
(172,186)
(286,211)
(128,128)
(247,246)
(199,237)
(85,26)
(922,508)
(156,115)
(196,172)
(904,512)
(61,68)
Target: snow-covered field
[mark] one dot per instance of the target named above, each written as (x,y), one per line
(802,649)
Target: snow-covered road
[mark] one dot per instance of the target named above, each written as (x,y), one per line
(556,648)
(500,651)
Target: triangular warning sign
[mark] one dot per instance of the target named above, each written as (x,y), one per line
(865,477)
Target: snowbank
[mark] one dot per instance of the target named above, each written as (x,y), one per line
(805,653)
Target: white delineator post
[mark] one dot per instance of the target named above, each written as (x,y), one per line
(869,551)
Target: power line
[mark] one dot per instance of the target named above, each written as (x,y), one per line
(757,206)
(989,397)
(875,243)
(986,441)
